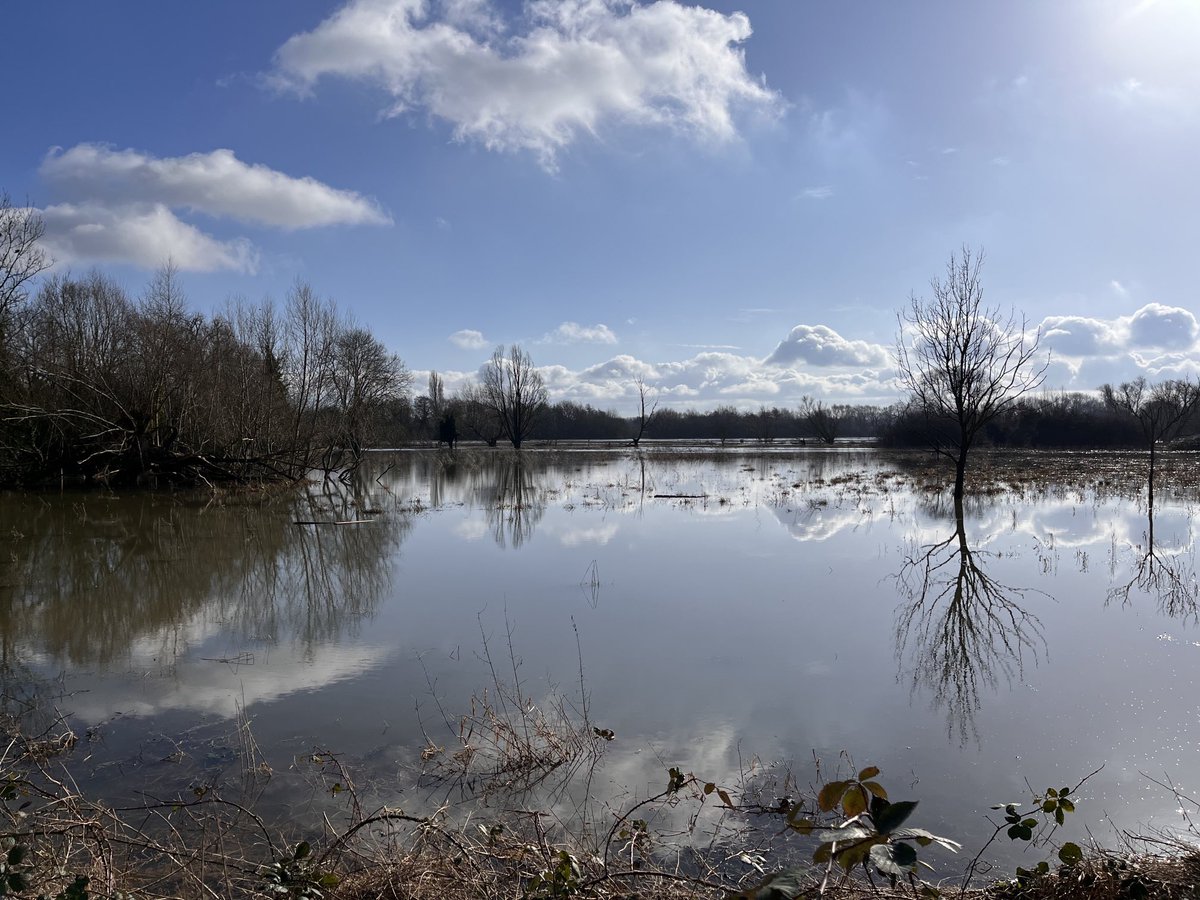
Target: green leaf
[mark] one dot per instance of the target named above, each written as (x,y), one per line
(16,854)
(1019,832)
(844,835)
(829,796)
(878,805)
(801,826)
(1051,792)
(823,854)
(1070,853)
(1049,806)
(894,816)
(1135,888)
(868,772)
(925,838)
(1067,805)
(785,885)
(302,850)
(856,854)
(854,802)
(1058,816)
(894,859)
(329,880)
(875,788)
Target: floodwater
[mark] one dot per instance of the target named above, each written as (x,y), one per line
(733,614)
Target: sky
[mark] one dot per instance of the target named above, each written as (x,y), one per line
(729,200)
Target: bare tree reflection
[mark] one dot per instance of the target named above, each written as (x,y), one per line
(961,630)
(89,577)
(514,502)
(1169,576)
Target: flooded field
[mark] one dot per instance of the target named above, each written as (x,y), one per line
(733,614)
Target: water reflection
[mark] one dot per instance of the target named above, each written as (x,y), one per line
(1164,569)
(89,578)
(514,501)
(960,628)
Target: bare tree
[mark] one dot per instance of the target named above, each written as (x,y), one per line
(822,421)
(764,423)
(365,378)
(477,415)
(21,255)
(437,394)
(515,392)
(964,363)
(647,408)
(1160,411)
(309,335)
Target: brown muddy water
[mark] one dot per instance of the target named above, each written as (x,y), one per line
(732,613)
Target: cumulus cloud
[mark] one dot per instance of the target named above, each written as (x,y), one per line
(1169,327)
(1157,341)
(709,379)
(216,183)
(1153,326)
(121,206)
(142,234)
(574,333)
(579,65)
(1081,336)
(468,339)
(820,345)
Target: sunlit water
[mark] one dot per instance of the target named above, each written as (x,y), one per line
(727,611)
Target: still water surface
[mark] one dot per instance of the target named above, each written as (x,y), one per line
(725,607)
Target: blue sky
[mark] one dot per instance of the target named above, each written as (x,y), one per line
(731,200)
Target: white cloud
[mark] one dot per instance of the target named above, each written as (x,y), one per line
(819,345)
(120,206)
(709,379)
(818,192)
(1077,336)
(600,534)
(468,339)
(620,368)
(1169,327)
(1157,341)
(580,65)
(574,333)
(216,183)
(144,234)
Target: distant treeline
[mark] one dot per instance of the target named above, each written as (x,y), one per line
(1073,420)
